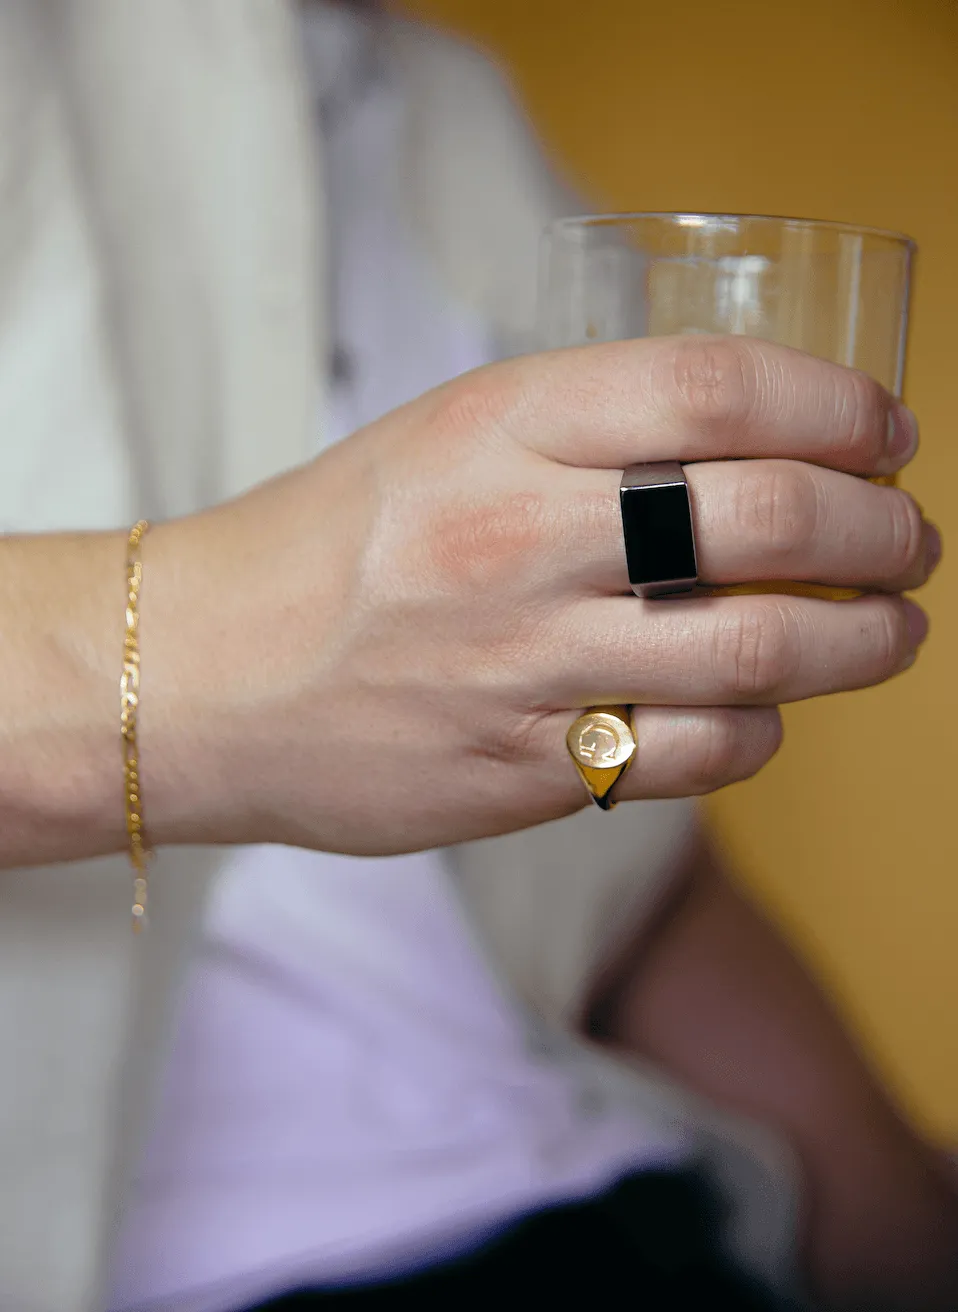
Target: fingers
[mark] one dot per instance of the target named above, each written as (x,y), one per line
(780,519)
(764,520)
(726,651)
(682,751)
(695,398)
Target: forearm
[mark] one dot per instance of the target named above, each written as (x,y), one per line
(62,606)
(63,599)
(716,997)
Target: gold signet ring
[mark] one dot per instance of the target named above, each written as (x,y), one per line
(601,743)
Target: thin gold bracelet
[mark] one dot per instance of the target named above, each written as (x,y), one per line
(140,853)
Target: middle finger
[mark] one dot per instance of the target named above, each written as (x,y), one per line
(774,520)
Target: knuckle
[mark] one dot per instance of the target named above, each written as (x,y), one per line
(710,381)
(478,405)
(860,415)
(779,509)
(714,751)
(732,745)
(907,534)
(888,638)
(723,745)
(755,653)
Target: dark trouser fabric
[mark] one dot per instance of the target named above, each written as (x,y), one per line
(652,1242)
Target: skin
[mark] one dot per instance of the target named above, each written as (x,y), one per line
(432,601)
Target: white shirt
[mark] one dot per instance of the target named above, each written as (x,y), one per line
(350,1093)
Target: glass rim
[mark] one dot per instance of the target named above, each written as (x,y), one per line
(586,221)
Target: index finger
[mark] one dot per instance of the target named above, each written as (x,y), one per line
(707,398)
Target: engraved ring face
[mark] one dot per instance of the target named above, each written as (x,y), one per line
(600,741)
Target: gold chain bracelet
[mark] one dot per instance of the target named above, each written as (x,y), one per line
(140,853)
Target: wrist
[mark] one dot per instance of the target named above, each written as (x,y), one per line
(232,617)
(188,713)
(61,783)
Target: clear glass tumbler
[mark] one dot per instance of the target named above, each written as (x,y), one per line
(830,289)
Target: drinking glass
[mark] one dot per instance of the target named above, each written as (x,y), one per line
(831,289)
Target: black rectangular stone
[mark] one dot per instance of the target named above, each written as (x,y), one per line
(657,523)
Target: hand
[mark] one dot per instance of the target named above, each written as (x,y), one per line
(384,650)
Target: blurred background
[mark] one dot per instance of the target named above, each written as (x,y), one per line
(831,109)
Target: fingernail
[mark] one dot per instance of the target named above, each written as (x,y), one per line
(932,548)
(916,622)
(901,441)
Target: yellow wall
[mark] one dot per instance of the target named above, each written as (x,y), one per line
(844,109)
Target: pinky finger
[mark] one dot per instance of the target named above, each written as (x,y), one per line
(688,751)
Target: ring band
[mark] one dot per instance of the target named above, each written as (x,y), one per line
(657,526)
(602,745)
